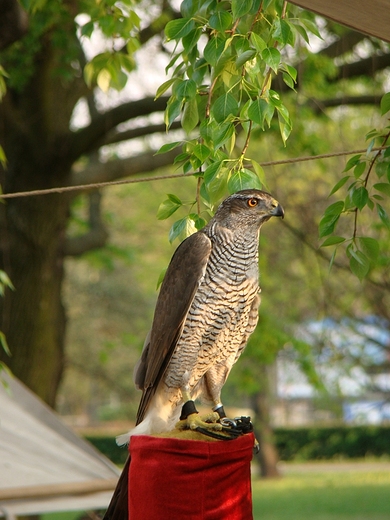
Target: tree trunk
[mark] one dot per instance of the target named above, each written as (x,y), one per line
(33,317)
(34,126)
(268,455)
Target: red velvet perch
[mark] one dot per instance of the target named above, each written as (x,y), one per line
(176,479)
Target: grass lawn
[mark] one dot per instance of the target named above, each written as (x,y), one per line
(343,492)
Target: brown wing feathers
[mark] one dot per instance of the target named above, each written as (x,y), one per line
(176,295)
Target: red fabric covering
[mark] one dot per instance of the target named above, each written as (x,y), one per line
(175,479)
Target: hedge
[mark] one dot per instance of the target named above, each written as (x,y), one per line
(109,448)
(299,443)
(336,442)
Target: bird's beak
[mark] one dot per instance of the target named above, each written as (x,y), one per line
(277,211)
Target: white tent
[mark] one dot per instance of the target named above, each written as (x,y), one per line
(44,466)
(371,17)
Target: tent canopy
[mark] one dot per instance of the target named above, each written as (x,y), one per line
(44,466)
(372,18)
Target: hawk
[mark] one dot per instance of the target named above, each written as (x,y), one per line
(206,310)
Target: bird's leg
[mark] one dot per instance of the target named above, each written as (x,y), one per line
(219,409)
(190,419)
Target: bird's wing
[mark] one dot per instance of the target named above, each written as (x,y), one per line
(177,292)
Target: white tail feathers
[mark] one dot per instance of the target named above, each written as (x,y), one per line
(159,418)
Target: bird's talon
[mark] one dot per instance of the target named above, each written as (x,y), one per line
(194,421)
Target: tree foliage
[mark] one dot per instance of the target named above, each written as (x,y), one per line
(244,78)
(367,184)
(221,70)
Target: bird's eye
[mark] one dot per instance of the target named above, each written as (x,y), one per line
(252,203)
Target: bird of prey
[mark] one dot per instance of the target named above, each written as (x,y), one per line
(206,310)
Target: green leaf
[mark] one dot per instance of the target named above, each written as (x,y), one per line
(271,56)
(285,128)
(312,27)
(283,33)
(222,134)
(185,89)
(291,71)
(172,111)
(360,197)
(224,106)
(339,185)
(3,158)
(288,81)
(242,180)
(181,157)
(212,171)
(259,171)
(359,264)
(333,240)
(335,209)
(359,169)
(164,87)
(241,7)
(182,228)
(5,280)
(332,259)
(87,29)
(215,180)
(168,147)
(381,168)
(257,111)
(176,29)
(352,162)
(213,50)
(167,208)
(174,198)
(302,31)
(201,151)
(383,187)
(199,222)
(221,20)
(161,278)
(191,39)
(258,42)
(383,215)
(177,229)
(385,104)
(370,247)
(327,224)
(190,117)
(372,134)
(4,344)
(244,57)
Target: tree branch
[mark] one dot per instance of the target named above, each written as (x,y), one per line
(84,140)
(13,22)
(319,105)
(344,44)
(118,137)
(300,235)
(97,235)
(120,168)
(366,67)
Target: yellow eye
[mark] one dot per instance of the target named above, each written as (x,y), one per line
(252,203)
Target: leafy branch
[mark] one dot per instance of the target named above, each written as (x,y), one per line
(363,251)
(224,58)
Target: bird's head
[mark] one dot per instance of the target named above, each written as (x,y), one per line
(248,208)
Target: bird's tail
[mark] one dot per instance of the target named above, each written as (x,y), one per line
(118,508)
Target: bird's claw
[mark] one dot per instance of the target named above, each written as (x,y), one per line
(194,422)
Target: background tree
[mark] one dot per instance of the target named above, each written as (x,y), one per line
(235,70)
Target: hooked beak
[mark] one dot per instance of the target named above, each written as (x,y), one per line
(277,211)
